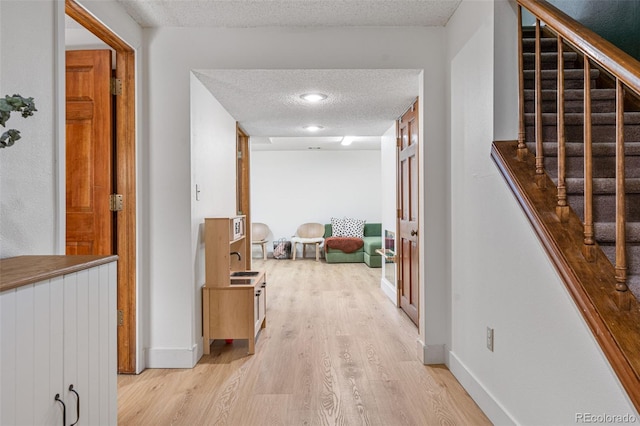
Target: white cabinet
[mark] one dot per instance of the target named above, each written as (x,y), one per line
(54,333)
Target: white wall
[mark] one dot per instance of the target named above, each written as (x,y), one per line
(28,179)
(32,172)
(172,53)
(546,365)
(213,139)
(289,188)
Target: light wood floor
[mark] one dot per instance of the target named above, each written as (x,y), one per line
(335,352)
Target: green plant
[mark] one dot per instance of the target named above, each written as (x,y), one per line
(9,104)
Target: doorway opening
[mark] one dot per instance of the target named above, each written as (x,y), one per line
(124,182)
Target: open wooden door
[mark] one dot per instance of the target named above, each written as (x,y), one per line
(124,170)
(408,185)
(89,153)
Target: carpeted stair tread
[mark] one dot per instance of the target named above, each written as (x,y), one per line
(574,118)
(570,74)
(602,185)
(602,100)
(571,94)
(547,44)
(598,149)
(605,232)
(550,57)
(574,133)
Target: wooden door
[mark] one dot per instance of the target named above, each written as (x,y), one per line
(89,152)
(408,185)
(243,194)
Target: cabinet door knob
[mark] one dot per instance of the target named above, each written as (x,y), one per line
(414,233)
(71,389)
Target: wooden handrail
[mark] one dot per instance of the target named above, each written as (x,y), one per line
(619,63)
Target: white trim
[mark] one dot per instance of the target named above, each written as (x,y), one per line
(389,290)
(431,354)
(199,352)
(59,119)
(487,403)
(172,358)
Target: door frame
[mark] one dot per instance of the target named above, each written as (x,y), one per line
(243,185)
(125,172)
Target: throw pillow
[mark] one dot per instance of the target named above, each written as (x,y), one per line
(353,228)
(337,227)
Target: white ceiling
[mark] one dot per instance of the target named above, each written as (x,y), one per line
(267,103)
(362,103)
(288,13)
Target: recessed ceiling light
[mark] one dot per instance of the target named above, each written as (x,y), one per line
(314,97)
(313,128)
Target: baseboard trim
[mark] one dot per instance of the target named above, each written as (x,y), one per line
(173,358)
(480,395)
(431,354)
(389,290)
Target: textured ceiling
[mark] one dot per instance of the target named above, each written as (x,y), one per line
(268,106)
(279,13)
(266,103)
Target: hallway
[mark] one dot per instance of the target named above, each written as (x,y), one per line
(335,352)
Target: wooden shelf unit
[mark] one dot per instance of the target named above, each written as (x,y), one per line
(224,235)
(234,312)
(232,307)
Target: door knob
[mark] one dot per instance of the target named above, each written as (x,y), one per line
(414,233)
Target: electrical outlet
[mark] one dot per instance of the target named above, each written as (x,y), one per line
(490,339)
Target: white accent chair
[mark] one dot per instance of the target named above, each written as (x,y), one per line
(308,233)
(259,234)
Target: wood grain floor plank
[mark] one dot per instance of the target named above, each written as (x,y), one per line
(335,351)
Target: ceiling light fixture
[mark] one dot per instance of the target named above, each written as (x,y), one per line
(313,128)
(314,97)
(346,141)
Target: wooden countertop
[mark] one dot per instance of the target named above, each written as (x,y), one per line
(22,270)
(255,279)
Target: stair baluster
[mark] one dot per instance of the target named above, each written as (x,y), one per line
(562,209)
(540,176)
(621,238)
(522,147)
(589,247)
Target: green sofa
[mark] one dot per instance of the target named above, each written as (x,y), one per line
(367,254)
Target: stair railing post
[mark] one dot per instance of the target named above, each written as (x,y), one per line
(621,239)
(562,209)
(522,147)
(589,247)
(540,176)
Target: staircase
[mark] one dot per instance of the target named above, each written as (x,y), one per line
(582,200)
(603,108)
